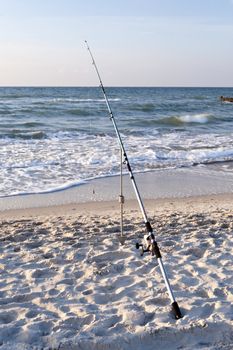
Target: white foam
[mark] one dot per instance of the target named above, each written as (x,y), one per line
(195,118)
(35,166)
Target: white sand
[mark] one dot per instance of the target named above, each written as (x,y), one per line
(67,283)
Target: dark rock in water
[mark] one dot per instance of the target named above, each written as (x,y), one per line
(226,99)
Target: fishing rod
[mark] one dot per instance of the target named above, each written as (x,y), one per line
(151,244)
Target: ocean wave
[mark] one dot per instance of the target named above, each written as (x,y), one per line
(144,107)
(61,136)
(202,118)
(196,118)
(153,121)
(83,100)
(218,155)
(13,96)
(31,124)
(80,112)
(201,98)
(32,135)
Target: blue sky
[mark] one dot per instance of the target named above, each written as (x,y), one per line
(135,42)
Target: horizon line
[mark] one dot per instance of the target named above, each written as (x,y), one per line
(116,86)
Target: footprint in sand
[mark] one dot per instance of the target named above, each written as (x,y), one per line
(195,252)
(74,323)
(21,236)
(170,243)
(112,229)
(7,317)
(48,255)
(34,245)
(206,310)
(66,281)
(187,281)
(202,293)
(135,316)
(109,256)
(219,293)
(78,274)
(41,328)
(109,323)
(23,298)
(87,292)
(158,301)
(53,292)
(32,313)
(39,274)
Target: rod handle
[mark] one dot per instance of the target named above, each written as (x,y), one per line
(176,310)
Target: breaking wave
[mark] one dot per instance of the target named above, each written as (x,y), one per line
(202,118)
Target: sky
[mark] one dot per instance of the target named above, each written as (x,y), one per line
(134,42)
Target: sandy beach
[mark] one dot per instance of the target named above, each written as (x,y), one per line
(68,283)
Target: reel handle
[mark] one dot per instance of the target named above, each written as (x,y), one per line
(138,245)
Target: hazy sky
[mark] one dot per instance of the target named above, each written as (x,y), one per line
(135,42)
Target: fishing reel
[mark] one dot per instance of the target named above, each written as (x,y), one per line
(149,245)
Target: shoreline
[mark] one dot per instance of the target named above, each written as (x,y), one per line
(154,185)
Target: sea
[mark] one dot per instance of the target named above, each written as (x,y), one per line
(53,138)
